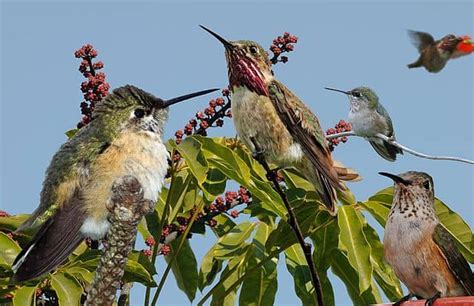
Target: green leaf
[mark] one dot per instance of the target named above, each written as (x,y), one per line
(24,296)
(9,249)
(80,273)
(298,268)
(209,269)
(137,272)
(232,242)
(67,288)
(13,222)
(352,240)
(260,287)
(343,269)
(191,150)
(184,268)
(71,133)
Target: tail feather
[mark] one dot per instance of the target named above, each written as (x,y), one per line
(56,239)
(416,64)
(386,150)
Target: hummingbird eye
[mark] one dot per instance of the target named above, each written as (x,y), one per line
(253,50)
(356,94)
(426,184)
(139,113)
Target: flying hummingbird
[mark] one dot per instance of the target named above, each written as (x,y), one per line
(434,54)
(283,127)
(125,138)
(368,118)
(420,250)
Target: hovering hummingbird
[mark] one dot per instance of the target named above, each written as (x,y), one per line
(434,54)
(125,138)
(283,127)
(420,250)
(368,118)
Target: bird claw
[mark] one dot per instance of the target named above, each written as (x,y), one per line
(431,300)
(404,299)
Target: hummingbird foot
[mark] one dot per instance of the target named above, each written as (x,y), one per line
(431,300)
(404,299)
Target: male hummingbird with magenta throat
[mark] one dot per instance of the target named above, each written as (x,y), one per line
(420,250)
(125,137)
(368,118)
(268,114)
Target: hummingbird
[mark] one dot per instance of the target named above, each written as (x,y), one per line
(434,54)
(267,113)
(368,118)
(125,137)
(420,250)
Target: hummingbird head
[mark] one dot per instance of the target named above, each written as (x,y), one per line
(448,43)
(248,64)
(360,98)
(133,109)
(412,186)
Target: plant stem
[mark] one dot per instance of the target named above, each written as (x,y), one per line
(293,222)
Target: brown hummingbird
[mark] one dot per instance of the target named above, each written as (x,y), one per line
(433,54)
(420,250)
(125,138)
(284,128)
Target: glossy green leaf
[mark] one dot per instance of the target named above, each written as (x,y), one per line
(24,296)
(232,243)
(341,267)
(184,268)
(191,150)
(80,274)
(260,287)
(136,272)
(298,268)
(9,249)
(67,288)
(209,268)
(11,223)
(352,240)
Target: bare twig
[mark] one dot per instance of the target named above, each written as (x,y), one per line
(126,208)
(293,222)
(404,148)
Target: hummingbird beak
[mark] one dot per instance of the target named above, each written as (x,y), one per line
(226,44)
(338,90)
(396,178)
(166,103)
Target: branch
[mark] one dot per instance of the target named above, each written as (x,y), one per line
(271,175)
(404,148)
(126,208)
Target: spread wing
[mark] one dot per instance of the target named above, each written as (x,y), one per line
(305,129)
(456,262)
(420,39)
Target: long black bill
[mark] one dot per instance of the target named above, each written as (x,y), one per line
(170,102)
(395,178)
(338,90)
(226,44)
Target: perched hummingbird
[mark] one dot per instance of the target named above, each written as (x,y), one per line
(368,118)
(420,250)
(125,138)
(433,54)
(283,127)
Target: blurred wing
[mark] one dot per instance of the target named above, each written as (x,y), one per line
(456,262)
(305,129)
(420,39)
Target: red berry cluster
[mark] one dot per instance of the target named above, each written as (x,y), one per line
(4,214)
(340,127)
(150,242)
(223,204)
(95,87)
(280,45)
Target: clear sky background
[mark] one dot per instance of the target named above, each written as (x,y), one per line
(160,48)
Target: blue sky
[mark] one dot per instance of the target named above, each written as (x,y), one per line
(160,48)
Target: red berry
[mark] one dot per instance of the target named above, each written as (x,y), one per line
(165,249)
(150,241)
(234,214)
(220,101)
(147,252)
(212,223)
(4,214)
(219,122)
(229,113)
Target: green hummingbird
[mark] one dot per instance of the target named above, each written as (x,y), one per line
(368,118)
(434,54)
(284,128)
(420,250)
(125,137)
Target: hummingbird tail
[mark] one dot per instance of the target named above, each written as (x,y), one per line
(53,243)
(386,150)
(416,64)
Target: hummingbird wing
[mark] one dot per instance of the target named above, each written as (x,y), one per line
(420,39)
(55,240)
(383,148)
(305,129)
(456,262)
